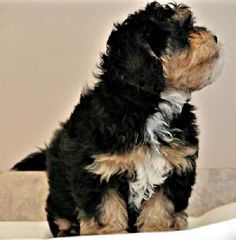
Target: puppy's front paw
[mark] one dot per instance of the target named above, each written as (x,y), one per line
(180,221)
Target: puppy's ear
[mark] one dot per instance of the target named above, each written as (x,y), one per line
(144,71)
(135,65)
(144,68)
(129,59)
(156,36)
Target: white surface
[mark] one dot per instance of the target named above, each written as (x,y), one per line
(221,231)
(24,230)
(219,214)
(218,224)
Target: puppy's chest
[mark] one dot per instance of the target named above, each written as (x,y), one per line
(150,172)
(148,167)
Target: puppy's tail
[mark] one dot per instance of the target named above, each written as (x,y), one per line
(33,162)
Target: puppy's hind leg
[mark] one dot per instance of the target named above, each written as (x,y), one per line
(62,221)
(60,205)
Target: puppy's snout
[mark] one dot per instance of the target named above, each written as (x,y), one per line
(215,38)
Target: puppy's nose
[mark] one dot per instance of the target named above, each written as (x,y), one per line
(215,38)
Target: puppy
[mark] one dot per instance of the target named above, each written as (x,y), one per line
(125,159)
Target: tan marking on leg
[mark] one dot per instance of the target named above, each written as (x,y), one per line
(63,224)
(181,220)
(107,165)
(113,218)
(191,69)
(176,154)
(157,214)
(88,226)
(66,228)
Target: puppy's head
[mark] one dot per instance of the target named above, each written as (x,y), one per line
(161,47)
(191,59)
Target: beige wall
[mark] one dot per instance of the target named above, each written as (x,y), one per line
(48,50)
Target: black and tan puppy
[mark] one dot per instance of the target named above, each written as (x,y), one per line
(125,159)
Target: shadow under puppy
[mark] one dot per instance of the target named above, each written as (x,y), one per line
(125,159)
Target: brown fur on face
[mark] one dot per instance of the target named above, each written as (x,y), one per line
(107,165)
(175,153)
(113,218)
(191,69)
(157,214)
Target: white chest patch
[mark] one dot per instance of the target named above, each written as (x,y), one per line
(153,170)
(149,173)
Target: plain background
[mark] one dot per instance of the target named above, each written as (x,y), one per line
(49,49)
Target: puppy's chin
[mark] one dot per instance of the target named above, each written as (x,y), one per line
(211,77)
(196,67)
(214,67)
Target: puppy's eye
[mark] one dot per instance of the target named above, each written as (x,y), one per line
(215,38)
